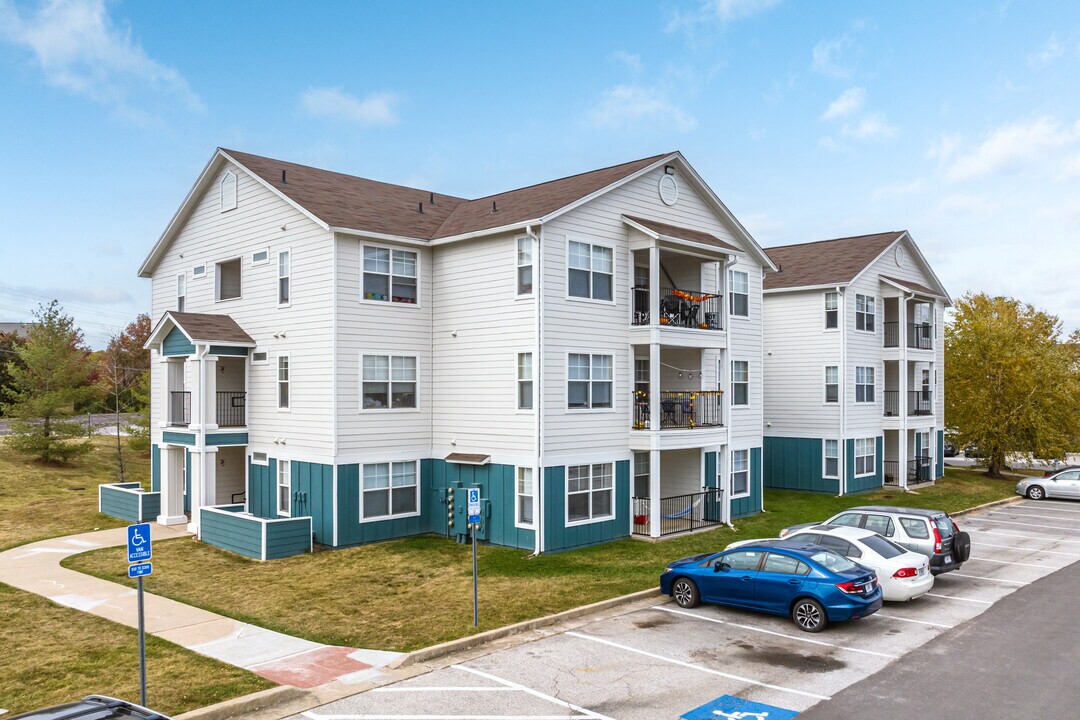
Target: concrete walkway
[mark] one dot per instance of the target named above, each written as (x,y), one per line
(281,658)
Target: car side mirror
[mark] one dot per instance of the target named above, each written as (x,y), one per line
(722,567)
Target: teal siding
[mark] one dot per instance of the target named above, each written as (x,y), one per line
(751,504)
(155,468)
(288,537)
(260,489)
(353,532)
(497,490)
(940,453)
(313,495)
(713,510)
(227,439)
(796,464)
(151,506)
(232,532)
(175,343)
(178,438)
(560,537)
(226,350)
(124,505)
(869,482)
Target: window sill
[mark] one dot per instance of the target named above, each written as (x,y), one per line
(388,411)
(221,300)
(591,301)
(589,411)
(388,303)
(733,496)
(591,521)
(384,518)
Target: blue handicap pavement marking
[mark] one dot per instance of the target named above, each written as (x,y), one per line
(138,570)
(729,707)
(138,542)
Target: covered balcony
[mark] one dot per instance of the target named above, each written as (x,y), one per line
(907,321)
(917,397)
(680,409)
(689,496)
(908,458)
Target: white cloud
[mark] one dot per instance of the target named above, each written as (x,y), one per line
(1015,146)
(850,102)
(78,48)
(1048,53)
(626,107)
(871,127)
(943,148)
(827,57)
(375,109)
(1071,168)
(718,12)
(630,60)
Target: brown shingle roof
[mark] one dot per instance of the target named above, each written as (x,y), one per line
(698,236)
(826,262)
(912,286)
(468,458)
(210,328)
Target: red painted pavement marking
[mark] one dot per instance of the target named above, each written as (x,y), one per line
(313,668)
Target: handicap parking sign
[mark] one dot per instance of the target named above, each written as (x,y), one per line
(473,501)
(729,707)
(138,542)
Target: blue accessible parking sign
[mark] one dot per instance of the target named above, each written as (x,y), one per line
(473,502)
(138,542)
(729,707)
(139,570)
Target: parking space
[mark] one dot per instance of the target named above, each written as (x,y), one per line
(664,661)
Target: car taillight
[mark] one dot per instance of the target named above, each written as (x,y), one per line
(848,587)
(905,573)
(937,537)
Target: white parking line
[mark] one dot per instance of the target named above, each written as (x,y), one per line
(699,668)
(980,577)
(1044,538)
(920,622)
(1010,562)
(534,693)
(432,688)
(1050,502)
(1045,507)
(1036,513)
(1025,524)
(1022,549)
(777,634)
(471,716)
(953,597)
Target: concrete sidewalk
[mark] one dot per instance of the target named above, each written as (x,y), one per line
(278,657)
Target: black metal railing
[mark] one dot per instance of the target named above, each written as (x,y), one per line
(920,402)
(680,513)
(891,469)
(920,336)
(230,408)
(685,409)
(919,470)
(892,403)
(179,407)
(680,308)
(891,331)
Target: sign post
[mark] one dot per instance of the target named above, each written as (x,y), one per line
(139,555)
(473,498)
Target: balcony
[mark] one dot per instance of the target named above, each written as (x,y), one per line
(919,470)
(918,336)
(920,403)
(680,513)
(231,406)
(679,409)
(692,309)
(179,408)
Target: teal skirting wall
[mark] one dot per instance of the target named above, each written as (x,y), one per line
(312,494)
(560,537)
(796,464)
(869,482)
(176,343)
(128,502)
(751,504)
(940,454)
(288,537)
(230,531)
(260,490)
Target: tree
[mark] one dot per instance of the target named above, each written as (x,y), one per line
(51,375)
(1011,381)
(9,343)
(121,368)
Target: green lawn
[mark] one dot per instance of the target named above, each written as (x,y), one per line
(411,593)
(51,654)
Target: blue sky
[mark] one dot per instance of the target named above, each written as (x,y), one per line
(958,121)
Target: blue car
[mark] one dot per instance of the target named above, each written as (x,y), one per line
(812,585)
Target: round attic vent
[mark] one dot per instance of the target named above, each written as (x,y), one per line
(669,189)
(899,255)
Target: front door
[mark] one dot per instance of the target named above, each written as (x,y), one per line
(732,579)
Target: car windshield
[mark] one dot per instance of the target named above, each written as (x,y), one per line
(832,561)
(884,548)
(944,526)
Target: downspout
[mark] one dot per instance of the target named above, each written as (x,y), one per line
(538,390)
(842,449)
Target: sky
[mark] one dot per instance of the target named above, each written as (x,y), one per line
(957,121)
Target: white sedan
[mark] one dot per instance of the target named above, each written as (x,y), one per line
(903,575)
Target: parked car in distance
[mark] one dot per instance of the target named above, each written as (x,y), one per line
(948,450)
(810,584)
(1063,484)
(1059,468)
(92,707)
(903,574)
(929,532)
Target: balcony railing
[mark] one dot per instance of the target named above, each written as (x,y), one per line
(920,402)
(230,408)
(919,470)
(892,403)
(919,336)
(680,308)
(179,408)
(680,513)
(683,409)
(891,469)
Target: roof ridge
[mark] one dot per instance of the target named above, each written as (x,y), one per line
(837,239)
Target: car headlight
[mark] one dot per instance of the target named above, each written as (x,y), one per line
(666,570)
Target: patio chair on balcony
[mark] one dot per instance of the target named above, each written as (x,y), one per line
(667,412)
(671,310)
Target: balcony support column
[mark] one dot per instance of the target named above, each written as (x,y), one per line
(654,493)
(208,392)
(654,287)
(172,486)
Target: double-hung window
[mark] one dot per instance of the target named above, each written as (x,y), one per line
(390,275)
(589,380)
(864,384)
(589,491)
(831,467)
(390,489)
(865,450)
(864,312)
(284,487)
(832,383)
(524,266)
(524,491)
(283,277)
(524,381)
(740,382)
(283,382)
(739,293)
(832,310)
(591,271)
(388,381)
(740,473)
(181,292)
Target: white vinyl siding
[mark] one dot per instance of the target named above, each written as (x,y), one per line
(525,266)
(740,473)
(590,271)
(390,275)
(524,381)
(865,460)
(864,384)
(284,488)
(389,382)
(389,490)
(739,294)
(589,493)
(524,492)
(831,463)
(284,271)
(864,312)
(589,381)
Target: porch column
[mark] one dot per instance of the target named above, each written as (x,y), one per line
(902,392)
(209,392)
(654,493)
(654,387)
(203,483)
(172,486)
(191,369)
(654,285)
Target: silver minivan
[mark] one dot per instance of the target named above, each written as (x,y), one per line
(930,532)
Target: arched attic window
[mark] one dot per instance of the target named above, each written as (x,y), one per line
(228,191)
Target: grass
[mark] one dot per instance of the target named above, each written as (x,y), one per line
(52,654)
(411,593)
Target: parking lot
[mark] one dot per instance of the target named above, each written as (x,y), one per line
(664,662)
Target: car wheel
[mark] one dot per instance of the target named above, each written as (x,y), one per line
(685,593)
(961,546)
(809,615)
(1036,493)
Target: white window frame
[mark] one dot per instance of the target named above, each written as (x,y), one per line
(731,475)
(264,353)
(389,301)
(868,370)
(593,518)
(641,374)
(611,381)
(637,473)
(390,357)
(198,271)
(217,279)
(181,292)
(287,277)
(264,461)
(263,251)
(524,244)
(825,385)
(287,381)
(519,472)
(864,442)
(827,310)
(227,195)
(390,467)
(746,382)
(284,469)
(732,293)
(519,385)
(825,459)
(869,310)
(591,245)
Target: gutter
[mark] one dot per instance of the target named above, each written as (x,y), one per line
(538,391)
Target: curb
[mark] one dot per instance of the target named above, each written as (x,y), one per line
(984,506)
(429,653)
(245,704)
